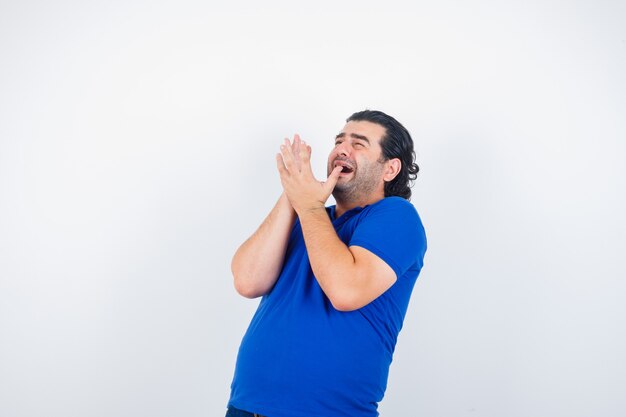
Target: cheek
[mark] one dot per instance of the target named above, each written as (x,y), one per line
(361,160)
(329,163)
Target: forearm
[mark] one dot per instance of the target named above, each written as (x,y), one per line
(258,261)
(351,277)
(332,262)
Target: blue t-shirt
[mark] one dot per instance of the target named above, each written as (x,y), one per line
(300,357)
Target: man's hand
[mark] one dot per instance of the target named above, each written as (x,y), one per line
(302,189)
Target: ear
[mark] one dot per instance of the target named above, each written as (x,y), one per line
(392,169)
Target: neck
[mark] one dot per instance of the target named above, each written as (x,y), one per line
(346,205)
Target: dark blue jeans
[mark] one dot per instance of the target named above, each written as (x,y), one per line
(235,412)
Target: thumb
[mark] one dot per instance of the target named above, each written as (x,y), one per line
(332,179)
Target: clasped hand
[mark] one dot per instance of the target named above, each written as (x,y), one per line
(302,189)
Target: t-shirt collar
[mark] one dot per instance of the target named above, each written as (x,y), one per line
(344,217)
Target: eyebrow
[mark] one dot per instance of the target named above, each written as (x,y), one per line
(355,136)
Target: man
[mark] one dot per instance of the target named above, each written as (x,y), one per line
(335,281)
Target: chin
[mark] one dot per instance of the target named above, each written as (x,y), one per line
(343,190)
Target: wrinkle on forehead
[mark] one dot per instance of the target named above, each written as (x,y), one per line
(373,132)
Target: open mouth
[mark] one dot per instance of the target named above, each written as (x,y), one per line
(346,168)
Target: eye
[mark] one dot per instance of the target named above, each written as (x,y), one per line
(337,142)
(358,145)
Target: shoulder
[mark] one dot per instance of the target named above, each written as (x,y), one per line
(395,214)
(394,202)
(392,230)
(393,208)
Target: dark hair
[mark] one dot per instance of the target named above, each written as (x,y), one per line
(396,143)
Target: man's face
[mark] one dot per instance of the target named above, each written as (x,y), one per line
(357,149)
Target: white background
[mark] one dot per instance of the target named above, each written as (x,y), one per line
(137,144)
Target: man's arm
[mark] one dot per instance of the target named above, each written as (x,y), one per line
(351,277)
(258,261)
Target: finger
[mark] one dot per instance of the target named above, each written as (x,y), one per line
(288,158)
(305,152)
(296,148)
(305,157)
(288,144)
(280,164)
(303,146)
(296,143)
(332,179)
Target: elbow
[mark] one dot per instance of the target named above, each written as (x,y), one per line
(243,282)
(344,308)
(251,282)
(345,303)
(248,284)
(244,289)
(344,298)
(248,293)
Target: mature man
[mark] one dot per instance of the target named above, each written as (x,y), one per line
(335,281)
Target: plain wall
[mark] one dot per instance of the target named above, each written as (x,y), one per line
(137,144)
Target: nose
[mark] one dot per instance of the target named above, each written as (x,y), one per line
(344,148)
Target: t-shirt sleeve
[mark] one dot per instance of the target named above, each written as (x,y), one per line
(393,231)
